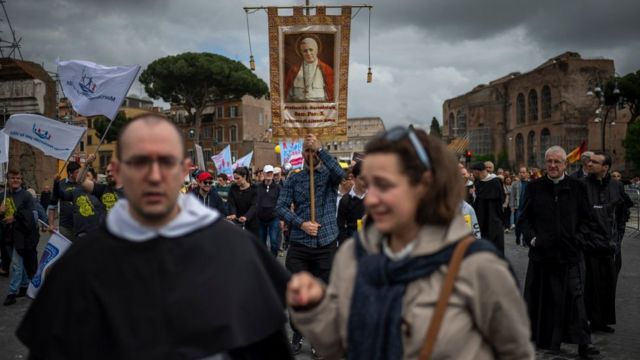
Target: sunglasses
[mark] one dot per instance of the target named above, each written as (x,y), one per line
(208,183)
(398,133)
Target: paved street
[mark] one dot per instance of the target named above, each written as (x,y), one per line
(622,345)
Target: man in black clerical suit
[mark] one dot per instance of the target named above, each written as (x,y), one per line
(164,278)
(488,205)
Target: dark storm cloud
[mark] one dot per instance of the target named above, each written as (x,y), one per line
(423,52)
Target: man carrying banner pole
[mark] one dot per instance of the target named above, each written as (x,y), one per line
(313,232)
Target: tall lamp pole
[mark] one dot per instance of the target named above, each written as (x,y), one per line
(607,101)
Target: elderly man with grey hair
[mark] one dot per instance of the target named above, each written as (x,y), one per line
(554,223)
(313,79)
(583,172)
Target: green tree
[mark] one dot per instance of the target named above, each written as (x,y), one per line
(194,80)
(100,123)
(632,143)
(629,86)
(435,129)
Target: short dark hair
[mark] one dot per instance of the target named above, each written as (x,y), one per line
(13,171)
(150,118)
(72,166)
(223,176)
(446,190)
(607,158)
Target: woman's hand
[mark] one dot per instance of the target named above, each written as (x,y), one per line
(304,290)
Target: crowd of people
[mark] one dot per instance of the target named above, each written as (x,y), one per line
(402,255)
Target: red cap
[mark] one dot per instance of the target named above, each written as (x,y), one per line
(204,176)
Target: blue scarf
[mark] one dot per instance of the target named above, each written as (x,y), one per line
(376,306)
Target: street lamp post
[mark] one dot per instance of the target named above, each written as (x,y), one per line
(606,102)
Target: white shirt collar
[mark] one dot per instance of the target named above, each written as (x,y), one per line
(193,216)
(352,193)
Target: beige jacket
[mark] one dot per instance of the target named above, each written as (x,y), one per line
(486,317)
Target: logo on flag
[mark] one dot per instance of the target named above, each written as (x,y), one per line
(87,85)
(39,133)
(56,246)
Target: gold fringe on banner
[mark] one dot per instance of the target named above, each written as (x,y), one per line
(315,100)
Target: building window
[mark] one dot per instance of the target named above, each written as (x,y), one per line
(89,139)
(220,112)
(207,155)
(533,105)
(531,148)
(519,149)
(90,124)
(520,109)
(261,119)
(545,141)
(233,112)
(219,134)
(546,102)
(234,156)
(233,134)
(105,158)
(207,133)
(451,124)
(460,130)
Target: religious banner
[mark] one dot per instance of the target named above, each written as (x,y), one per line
(291,153)
(222,161)
(309,69)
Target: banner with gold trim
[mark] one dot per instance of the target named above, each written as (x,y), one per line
(309,70)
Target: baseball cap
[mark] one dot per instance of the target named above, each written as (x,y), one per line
(204,176)
(277,170)
(267,168)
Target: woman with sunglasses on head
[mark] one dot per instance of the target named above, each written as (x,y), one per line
(241,204)
(385,298)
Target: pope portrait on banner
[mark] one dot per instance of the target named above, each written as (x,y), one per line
(310,79)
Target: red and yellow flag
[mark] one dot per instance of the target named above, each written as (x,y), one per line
(575,154)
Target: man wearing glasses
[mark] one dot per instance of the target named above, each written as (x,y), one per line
(164,278)
(602,245)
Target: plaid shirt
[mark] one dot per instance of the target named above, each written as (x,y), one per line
(296,191)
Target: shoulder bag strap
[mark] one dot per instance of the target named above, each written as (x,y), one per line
(443,298)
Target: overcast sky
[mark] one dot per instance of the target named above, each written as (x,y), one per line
(423,52)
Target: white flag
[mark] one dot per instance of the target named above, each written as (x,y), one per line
(243,161)
(95,89)
(223,161)
(53,137)
(4,148)
(56,246)
(200,157)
